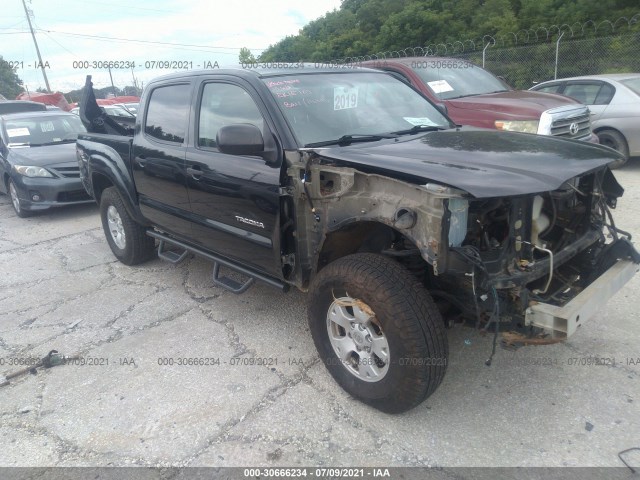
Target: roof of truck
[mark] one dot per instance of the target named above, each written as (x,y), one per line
(271,69)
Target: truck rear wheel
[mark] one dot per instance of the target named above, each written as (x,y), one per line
(378,331)
(127,239)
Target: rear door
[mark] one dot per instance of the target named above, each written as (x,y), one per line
(550,88)
(595,94)
(159,158)
(235,200)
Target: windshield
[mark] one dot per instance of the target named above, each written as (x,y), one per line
(449,79)
(632,83)
(45,130)
(322,107)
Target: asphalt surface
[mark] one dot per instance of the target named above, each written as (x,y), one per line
(261,397)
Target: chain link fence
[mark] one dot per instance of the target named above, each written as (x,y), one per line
(524,66)
(528,57)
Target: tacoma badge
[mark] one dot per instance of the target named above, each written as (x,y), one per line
(249,221)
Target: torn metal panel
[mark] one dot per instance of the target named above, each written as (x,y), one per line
(343,196)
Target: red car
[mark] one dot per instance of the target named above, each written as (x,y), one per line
(473,96)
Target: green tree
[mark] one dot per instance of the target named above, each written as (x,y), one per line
(414,26)
(10,83)
(495,17)
(246,56)
(365,27)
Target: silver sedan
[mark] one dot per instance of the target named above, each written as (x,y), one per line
(614,101)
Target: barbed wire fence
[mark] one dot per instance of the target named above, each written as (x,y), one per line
(527,57)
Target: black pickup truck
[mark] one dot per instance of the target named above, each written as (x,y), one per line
(352,185)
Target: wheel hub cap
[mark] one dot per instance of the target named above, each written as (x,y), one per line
(115,227)
(357,339)
(14,197)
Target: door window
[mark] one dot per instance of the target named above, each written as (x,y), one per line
(549,88)
(225,104)
(605,94)
(585,93)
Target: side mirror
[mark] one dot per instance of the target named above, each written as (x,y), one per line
(240,139)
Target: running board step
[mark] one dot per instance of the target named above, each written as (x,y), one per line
(219,259)
(170,255)
(228,283)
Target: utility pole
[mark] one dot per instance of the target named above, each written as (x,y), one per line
(44,74)
(135,82)
(112,85)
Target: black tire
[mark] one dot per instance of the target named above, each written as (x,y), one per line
(406,317)
(615,140)
(12,191)
(128,241)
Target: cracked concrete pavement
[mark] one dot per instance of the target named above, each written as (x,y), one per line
(261,397)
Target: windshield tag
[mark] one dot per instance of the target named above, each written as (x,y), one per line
(440,86)
(345,97)
(420,121)
(18,132)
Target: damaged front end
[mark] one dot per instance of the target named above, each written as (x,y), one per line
(534,265)
(538,265)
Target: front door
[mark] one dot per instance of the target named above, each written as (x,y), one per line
(235,199)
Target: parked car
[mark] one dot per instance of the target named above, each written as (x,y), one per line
(121,115)
(38,166)
(115,110)
(473,96)
(118,111)
(614,101)
(15,106)
(130,107)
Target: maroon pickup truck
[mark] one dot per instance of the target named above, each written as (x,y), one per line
(473,96)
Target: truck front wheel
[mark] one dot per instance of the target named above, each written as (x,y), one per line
(127,239)
(378,331)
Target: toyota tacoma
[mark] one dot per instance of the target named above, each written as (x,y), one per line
(353,186)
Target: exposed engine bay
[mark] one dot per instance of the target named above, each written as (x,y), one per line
(520,251)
